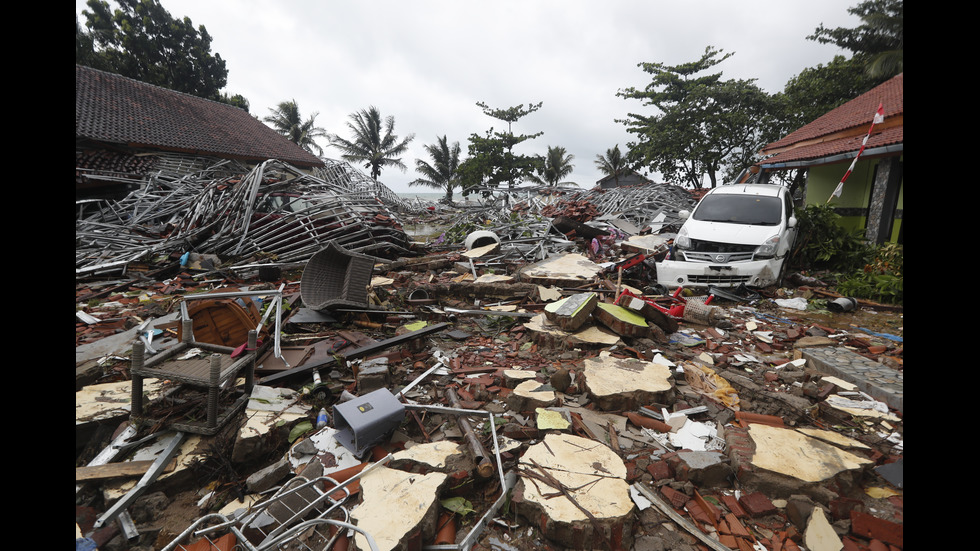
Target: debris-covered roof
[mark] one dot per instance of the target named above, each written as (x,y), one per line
(843,129)
(113,109)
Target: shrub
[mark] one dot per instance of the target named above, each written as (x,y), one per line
(862,270)
(823,244)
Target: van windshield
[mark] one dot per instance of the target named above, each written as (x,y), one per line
(740,209)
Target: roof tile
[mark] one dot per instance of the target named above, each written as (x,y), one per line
(116,109)
(816,140)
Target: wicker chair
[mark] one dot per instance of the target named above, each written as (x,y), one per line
(336,278)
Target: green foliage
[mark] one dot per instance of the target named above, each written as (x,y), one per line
(881,279)
(237,100)
(878,42)
(555,167)
(139,39)
(492,160)
(702,126)
(823,244)
(457,505)
(443,172)
(286,120)
(613,163)
(374,141)
(863,270)
(818,90)
(299,430)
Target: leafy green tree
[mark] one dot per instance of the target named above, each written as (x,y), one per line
(492,161)
(374,142)
(141,40)
(819,90)
(286,120)
(237,100)
(613,163)
(555,167)
(703,125)
(443,171)
(878,43)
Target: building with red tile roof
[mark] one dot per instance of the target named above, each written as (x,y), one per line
(871,196)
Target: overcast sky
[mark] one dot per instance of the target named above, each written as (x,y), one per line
(428,62)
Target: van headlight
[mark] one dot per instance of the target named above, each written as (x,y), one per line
(768,248)
(682,241)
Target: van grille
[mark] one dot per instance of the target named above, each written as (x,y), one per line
(721,280)
(719,253)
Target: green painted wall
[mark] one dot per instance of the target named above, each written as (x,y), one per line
(852,205)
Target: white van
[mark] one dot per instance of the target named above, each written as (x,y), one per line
(737,234)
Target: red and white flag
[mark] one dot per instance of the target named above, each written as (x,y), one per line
(879,117)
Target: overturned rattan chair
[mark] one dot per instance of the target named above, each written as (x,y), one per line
(336,278)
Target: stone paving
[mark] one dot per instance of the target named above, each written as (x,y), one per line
(877,380)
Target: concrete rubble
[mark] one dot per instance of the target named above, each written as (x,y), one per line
(514,379)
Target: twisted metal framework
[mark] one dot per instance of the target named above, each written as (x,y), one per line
(207,206)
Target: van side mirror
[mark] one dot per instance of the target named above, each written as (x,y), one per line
(791,222)
(684,214)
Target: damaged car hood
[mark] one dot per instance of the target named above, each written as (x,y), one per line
(721,232)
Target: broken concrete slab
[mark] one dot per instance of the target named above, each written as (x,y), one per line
(397,507)
(648,244)
(625,384)
(514,377)
(651,313)
(621,321)
(572,312)
(566,270)
(820,535)
(795,461)
(592,508)
(549,335)
(324,446)
(268,408)
(530,395)
(444,456)
(109,401)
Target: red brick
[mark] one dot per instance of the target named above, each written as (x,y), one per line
(757,504)
(698,513)
(841,507)
(660,470)
(733,506)
(871,527)
(676,499)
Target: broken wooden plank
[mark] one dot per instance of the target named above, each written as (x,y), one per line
(354,354)
(117,470)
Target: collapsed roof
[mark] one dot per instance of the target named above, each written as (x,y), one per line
(273,211)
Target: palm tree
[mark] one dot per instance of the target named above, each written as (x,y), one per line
(374,142)
(443,173)
(557,166)
(613,163)
(889,62)
(285,119)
